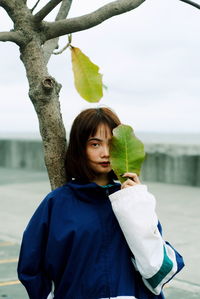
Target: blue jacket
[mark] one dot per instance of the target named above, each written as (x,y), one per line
(74,240)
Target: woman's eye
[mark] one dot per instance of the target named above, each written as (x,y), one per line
(95,144)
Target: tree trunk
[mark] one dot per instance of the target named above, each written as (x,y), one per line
(44,94)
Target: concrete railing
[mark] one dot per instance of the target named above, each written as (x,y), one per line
(21,154)
(174,164)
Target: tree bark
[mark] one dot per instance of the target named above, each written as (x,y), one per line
(43,89)
(44,94)
(46,10)
(191,3)
(52,44)
(59,28)
(15,37)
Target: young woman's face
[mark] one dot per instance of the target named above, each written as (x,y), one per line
(97,151)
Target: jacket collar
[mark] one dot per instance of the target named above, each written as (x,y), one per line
(91,192)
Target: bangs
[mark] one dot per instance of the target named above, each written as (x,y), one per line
(96,121)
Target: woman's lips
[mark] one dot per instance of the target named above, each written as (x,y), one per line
(105,164)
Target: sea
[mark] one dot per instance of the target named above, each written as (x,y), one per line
(179,138)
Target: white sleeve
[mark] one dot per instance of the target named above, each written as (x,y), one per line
(50,296)
(134,208)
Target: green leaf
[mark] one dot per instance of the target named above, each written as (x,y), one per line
(87,79)
(126,152)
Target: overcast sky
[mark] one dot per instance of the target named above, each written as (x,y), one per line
(150,63)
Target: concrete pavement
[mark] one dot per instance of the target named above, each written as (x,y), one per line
(178,208)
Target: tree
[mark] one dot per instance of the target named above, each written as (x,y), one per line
(37,40)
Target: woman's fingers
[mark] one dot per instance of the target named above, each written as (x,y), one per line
(133,176)
(132,180)
(128,183)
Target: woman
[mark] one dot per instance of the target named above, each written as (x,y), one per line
(94,238)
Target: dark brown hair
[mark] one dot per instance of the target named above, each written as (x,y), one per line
(84,126)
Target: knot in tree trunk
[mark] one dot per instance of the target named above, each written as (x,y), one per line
(48,83)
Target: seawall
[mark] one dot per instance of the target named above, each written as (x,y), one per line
(172,163)
(167,163)
(27,154)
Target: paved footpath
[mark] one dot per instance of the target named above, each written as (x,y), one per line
(178,208)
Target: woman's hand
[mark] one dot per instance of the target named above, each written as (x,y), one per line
(132,180)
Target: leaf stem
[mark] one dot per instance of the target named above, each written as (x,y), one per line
(65,47)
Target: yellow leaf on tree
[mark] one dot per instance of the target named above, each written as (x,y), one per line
(87,79)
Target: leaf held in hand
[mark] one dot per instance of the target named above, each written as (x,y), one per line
(87,79)
(126,152)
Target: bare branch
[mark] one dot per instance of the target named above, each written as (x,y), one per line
(5,4)
(107,11)
(46,10)
(191,3)
(11,36)
(52,44)
(34,7)
(64,10)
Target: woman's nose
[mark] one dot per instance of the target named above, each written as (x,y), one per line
(105,151)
